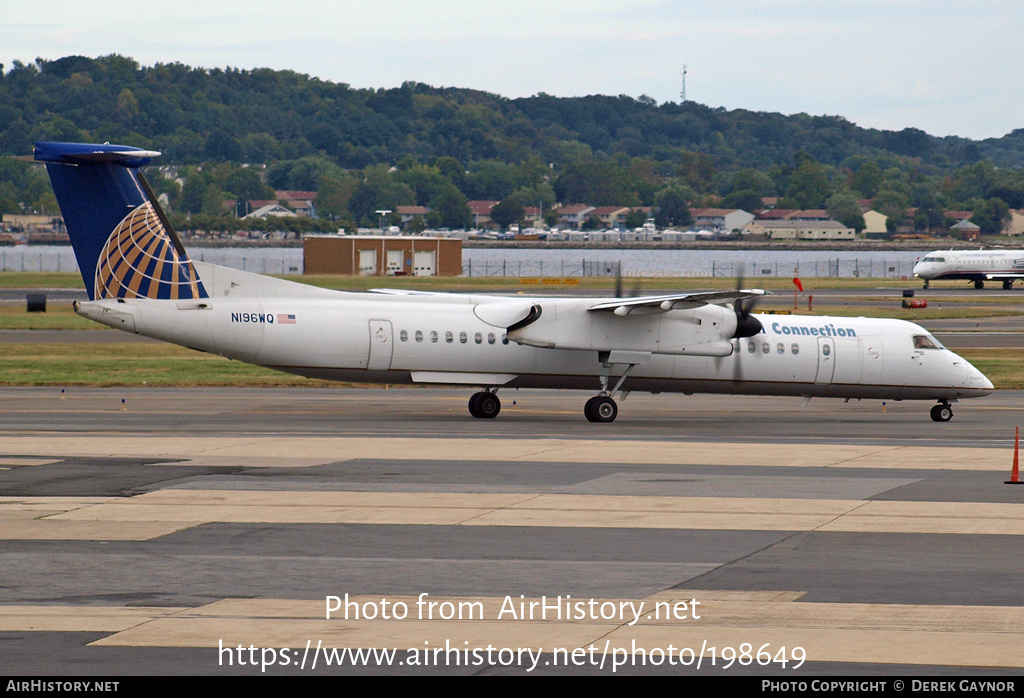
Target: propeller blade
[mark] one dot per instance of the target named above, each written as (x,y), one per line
(737,373)
(746,324)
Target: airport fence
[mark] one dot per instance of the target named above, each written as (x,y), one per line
(850,268)
(556,264)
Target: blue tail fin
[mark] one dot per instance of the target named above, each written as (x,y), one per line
(124,244)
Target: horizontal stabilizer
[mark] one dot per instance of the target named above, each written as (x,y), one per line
(76,153)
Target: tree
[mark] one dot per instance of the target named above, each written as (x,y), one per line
(245,183)
(991,215)
(891,204)
(672,206)
(213,202)
(127,110)
(867,179)
(746,199)
(844,208)
(809,183)
(635,218)
(599,183)
(334,195)
(929,215)
(507,212)
(379,191)
(450,209)
(191,200)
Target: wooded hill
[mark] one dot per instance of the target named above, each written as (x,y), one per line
(601,150)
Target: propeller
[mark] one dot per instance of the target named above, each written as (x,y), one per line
(746,326)
(633,293)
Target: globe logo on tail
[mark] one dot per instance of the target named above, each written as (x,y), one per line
(140,261)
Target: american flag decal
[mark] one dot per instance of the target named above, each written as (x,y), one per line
(284,319)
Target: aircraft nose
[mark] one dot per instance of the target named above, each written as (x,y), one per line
(975,379)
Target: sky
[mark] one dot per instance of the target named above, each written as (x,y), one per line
(948,68)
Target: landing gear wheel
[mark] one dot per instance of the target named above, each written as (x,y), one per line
(979,284)
(942,413)
(1007,285)
(926,283)
(484,405)
(600,409)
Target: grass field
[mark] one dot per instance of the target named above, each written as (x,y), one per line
(102,364)
(58,316)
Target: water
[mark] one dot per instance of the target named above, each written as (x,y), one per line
(555,262)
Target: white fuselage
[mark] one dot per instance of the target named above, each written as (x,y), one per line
(980,265)
(441,339)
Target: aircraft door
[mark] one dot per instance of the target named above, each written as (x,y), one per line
(826,360)
(381,345)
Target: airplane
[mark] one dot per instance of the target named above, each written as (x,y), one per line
(978,266)
(140,279)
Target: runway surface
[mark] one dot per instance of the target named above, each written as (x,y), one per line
(863,540)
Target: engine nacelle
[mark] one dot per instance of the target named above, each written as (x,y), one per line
(570,324)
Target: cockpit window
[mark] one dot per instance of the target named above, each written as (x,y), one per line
(926,341)
(934,259)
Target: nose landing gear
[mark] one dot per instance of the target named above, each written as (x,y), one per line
(942,412)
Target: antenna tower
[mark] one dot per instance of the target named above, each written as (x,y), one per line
(683,93)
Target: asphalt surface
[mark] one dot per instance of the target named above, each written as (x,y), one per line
(864,537)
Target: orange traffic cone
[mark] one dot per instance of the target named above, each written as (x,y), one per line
(1015,474)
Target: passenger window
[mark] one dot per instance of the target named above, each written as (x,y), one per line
(404,336)
(766,347)
(781,348)
(419,335)
(504,338)
(826,349)
(491,338)
(795,349)
(449,337)
(478,338)
(433,336)
(751,347)
(462,337)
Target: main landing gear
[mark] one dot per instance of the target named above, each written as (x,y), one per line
(979,284)
(601,407)
(942,412)
(485,405)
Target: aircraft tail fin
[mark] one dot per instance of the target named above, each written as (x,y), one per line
(124,244)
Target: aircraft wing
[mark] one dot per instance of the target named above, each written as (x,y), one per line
(407,292)
(622,306)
